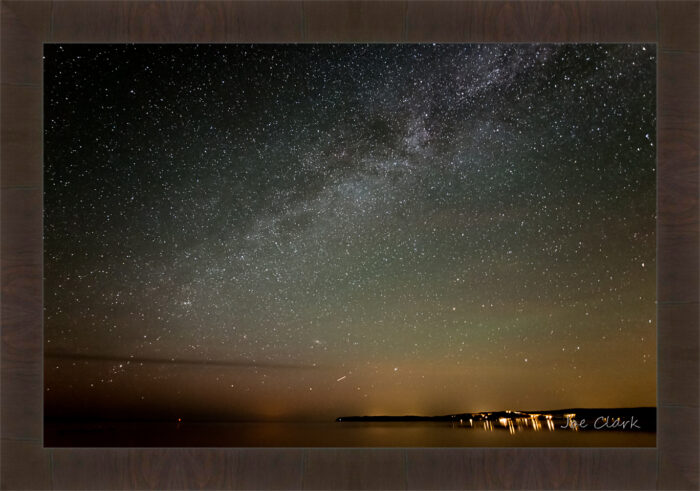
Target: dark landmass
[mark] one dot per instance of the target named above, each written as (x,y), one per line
(614,419)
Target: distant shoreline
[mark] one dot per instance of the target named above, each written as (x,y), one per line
(630,419)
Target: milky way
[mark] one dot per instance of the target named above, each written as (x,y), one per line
(308,231)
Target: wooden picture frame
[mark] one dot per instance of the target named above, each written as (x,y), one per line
(673,26)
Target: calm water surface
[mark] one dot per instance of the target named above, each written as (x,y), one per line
(361,434)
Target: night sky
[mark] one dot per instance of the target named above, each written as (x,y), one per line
(300,232)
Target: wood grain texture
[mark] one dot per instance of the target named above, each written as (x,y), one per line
(21,313)
(269,469)
(142,469)
(90,22)
(677,188)
(446,22)
(268,22)
(25,25)
(531,21)
(678,25)
(354,469)
(20,130)
(154,21)
(537,468)
(182,22)
(677,442)
(678,367)
(354,21)
(25,465)
(177,468)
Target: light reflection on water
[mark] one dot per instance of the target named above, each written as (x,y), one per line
(535,422)
(511,433)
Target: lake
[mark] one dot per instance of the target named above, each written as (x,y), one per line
(354,434)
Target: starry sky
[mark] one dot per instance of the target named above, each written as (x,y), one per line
(301,232)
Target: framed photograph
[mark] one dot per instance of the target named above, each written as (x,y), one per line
(350,245)
(57,434)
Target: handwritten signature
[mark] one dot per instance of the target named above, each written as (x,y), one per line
(604,422)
